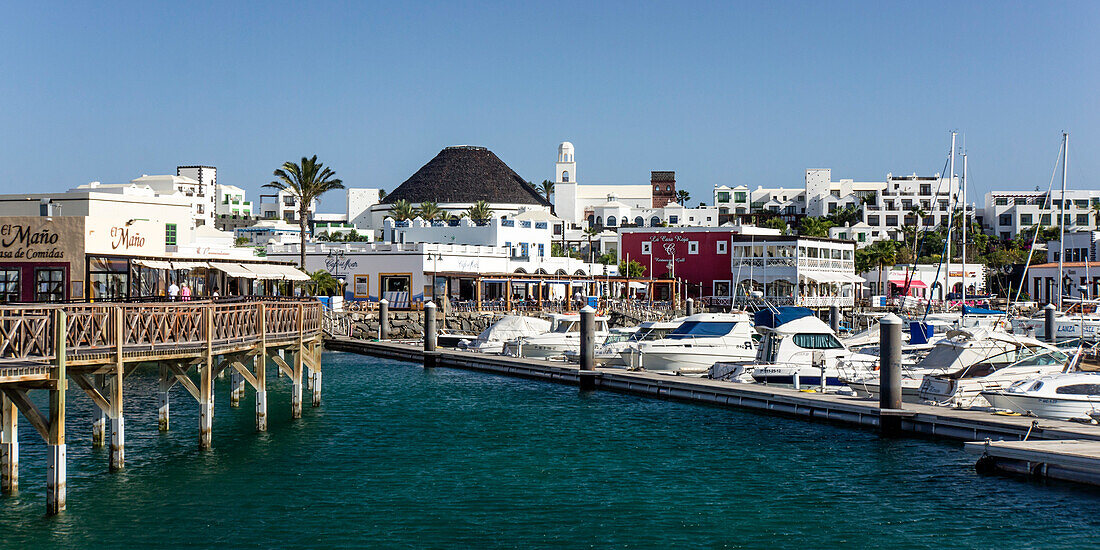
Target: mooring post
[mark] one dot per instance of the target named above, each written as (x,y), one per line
(9,446)
(206,383)
(587,379)
(690,307)
(889,399)
(431,335)
(99,424)
(56,459)
(834,317)
(235,388)
(261,374)
(118,438)
(1049,331)
(164,385)
(383,319)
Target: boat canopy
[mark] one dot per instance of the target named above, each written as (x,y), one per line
(969,310)
(767,318)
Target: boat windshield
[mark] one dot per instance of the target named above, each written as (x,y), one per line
(618,337)
(702,329)
(1029,356)
(567,326)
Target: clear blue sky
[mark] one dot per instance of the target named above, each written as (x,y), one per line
(721,93)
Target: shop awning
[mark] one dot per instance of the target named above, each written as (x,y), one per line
(233,270)
(276,272)
(915,283)
(188,265)
(850,278)
(822,277)
(153,264)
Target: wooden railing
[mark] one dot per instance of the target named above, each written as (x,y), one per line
(25,332)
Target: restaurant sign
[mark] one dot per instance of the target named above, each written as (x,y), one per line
(134,237)
(22,242)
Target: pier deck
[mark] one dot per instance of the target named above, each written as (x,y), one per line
(1066,460)
(925,420)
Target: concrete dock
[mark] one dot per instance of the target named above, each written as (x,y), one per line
(1066,460)
(921,420)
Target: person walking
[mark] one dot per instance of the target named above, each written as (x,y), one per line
(185,292)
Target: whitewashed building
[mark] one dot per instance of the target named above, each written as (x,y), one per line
(1007,213)
(232,201)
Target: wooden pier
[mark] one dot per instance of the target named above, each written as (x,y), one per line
(914,419)
(97,346)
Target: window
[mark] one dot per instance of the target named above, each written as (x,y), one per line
(639,221)
(542,251)
(723,196)
(612,221)
(739,196)
(1081,203)
(1001,201)
(1082,219)
(816,341)
(656,188)
(1079,389)
(1025,219)
(673,219)
(49,284)
(646,247)
(693,247)
(926,189)
(872,220)
(9,285)
(565,176)
(395,289)
(1020,201)
(599,220)
(721,288)
(170,234)
(361,287)
(1044,219)
(862,237)
(668,188)
(722,247)
(1067,220)
(832,208)
(654,221)
(1005,219)
(524,250)
(892,221)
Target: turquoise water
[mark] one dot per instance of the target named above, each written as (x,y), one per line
(400,457)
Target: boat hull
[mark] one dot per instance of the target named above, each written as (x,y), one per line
(1043,407)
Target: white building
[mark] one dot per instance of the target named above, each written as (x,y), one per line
(231,201)
(1007,213)
(205,194)
(270,231)
(283,205)
(525,239)
(1078,246)
(359,201)
(926,281)
(580,204)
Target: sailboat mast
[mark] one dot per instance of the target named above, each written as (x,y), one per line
(950,186)
(964,229)
(1062,218)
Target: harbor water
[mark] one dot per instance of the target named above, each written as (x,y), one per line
(400,457)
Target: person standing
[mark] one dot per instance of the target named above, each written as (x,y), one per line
(173,292)
(185,292)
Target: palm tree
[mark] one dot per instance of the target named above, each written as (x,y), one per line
(430,211)
(683,197)
(307,181)
(381,194)
(547,188)
(918,213)
(591,232)
(402,210)
(480,212)
(884,253)
(814,227)
(324,284)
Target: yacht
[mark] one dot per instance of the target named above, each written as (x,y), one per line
(564,335)
(607,353)
(1066,326)
(647,331)
(508,327)
(700,341)
(961,385)
(1063,396)
(796,342)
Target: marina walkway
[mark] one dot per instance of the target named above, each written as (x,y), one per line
(97,346)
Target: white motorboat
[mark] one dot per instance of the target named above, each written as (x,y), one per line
(1066,326)
(796,343)
(607,353)
(962,387)
(508,327)
(700,341)
(564,335)
(647,331)
(1059,396)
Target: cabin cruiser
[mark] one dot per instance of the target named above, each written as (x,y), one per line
(700,341)
(564,335)
(1062,396)
(1066,326)
(607,353)
(983,362)
(617,351)
(508,327)
(796,343)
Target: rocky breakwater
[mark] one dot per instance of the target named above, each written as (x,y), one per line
(410,324)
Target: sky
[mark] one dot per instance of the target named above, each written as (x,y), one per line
(723,93)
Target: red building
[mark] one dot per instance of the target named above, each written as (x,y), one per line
(697,255)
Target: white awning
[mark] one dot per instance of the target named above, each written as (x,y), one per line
(855,278)
(188,265)
(233,270)
(276,272)
(153,264)
(827,277)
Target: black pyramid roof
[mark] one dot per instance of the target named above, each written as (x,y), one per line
(466,174)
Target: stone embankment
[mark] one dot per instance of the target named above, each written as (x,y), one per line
(410,324)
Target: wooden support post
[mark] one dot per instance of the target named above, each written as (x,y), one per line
(99,425)
(118,455)
(236,388)
(261,375)
(317,371)
(167,380)
(9,447)
(296,374)
(206,382)
(55,440)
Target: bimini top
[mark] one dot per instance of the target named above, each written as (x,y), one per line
(968,310)
(767,318)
